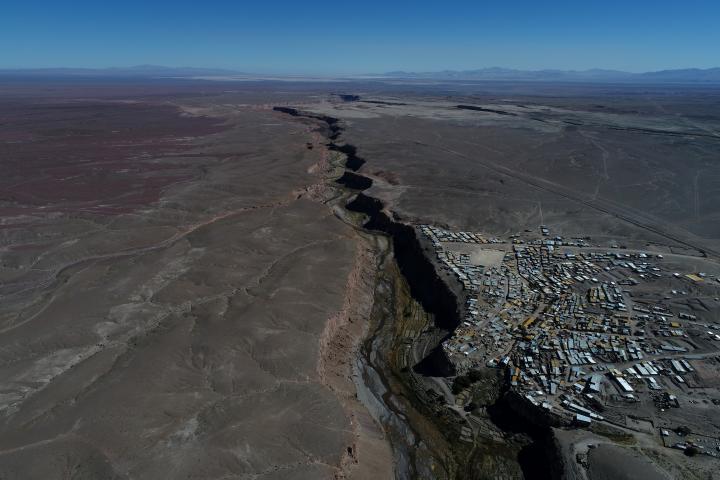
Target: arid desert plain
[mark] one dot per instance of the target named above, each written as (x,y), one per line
(361,279)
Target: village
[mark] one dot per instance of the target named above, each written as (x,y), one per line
(589,333)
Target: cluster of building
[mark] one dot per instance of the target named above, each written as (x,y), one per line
(438,235)
(458,263)
(558,316)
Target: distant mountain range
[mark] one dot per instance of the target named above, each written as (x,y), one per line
(141,71)
(687,75)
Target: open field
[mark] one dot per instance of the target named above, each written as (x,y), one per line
(168,287)
(623,168)
(182,293)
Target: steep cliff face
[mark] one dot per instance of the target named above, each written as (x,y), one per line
(354,181)
(353,162)
(533,419)
(332,122)
(425,284)
(370,206)
(529,445)
(537,456)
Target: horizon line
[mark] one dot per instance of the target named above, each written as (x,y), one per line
(253,71)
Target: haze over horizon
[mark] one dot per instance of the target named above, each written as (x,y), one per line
(284,37)
(364,240)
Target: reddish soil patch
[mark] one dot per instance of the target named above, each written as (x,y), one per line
(104,157)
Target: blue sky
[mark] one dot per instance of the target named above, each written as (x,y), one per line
(339,36)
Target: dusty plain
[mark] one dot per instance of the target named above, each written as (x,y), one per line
(168,287)
(182,294)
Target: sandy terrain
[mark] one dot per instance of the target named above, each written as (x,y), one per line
(608,172)
(479,255)
(174,303)
(180,296)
